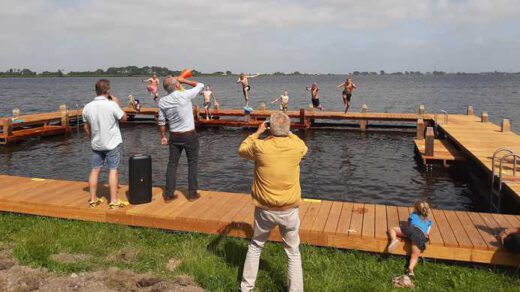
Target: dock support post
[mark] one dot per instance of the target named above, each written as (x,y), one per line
(64,115)
(303,120)
(420,129)
(484,117)
(430,137)
(506,126)
(421,110)
(363,123)
(470,111)
(7,127)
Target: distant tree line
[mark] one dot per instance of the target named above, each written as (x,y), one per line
(130,71)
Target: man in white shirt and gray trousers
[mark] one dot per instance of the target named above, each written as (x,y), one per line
(101,117)
(176,109)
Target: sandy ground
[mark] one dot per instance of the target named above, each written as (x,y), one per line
(17,278)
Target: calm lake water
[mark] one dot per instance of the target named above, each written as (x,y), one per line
(341,165)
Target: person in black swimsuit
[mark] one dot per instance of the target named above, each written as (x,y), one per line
(315,98)
(348,87)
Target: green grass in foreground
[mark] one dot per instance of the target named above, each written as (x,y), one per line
(215,262)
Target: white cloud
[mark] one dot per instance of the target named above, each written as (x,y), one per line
(241,35)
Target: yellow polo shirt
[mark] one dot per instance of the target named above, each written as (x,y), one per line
(276,185)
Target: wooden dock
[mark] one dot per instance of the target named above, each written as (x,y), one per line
(443,152)
(479,141)
(456,235)
(14,129)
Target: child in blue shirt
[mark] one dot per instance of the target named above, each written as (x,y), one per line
(417,230)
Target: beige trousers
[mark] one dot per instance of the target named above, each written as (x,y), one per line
(289,224)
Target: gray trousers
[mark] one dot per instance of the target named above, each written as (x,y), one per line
(289,224)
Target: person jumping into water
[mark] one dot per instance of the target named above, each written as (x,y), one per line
(243,80)
(315,98)
(348,88)
(208,95)
(152,85)
(284,101)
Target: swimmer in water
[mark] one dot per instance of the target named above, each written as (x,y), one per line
(243,80)
(315,98)
(152,85)
(208,95)
(348,88)
(284,101)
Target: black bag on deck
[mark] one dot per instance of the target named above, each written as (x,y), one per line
(140,179)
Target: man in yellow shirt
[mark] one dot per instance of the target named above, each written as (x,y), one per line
(276,193)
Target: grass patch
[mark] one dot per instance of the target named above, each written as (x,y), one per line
(216,262)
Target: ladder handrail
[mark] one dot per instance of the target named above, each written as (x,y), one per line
(499,150)
(445,116)
(515,156)
(508,153)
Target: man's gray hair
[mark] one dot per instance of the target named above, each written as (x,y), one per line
(280,124)
(169,83)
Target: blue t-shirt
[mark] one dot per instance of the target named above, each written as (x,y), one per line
(417,221)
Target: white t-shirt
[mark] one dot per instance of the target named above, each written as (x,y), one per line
(103,117)
(177,109)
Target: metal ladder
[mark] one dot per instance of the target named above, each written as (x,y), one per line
(495,197)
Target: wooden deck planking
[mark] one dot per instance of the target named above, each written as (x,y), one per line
(381,227)
(458,229)
(344,218)
(232,214)
(369,221)
(442,151)
(319,224)
(472,232)
(484,230)
(445,230)
(469,133)
(333,219)
(356,222)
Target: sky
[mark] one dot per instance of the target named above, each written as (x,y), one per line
(330,36)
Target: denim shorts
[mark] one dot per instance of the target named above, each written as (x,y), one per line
(112,158)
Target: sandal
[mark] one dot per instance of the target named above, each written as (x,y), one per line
(118,204)
(95,203)
(410,274)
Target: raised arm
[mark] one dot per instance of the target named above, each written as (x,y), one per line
(247,147)
(341,85)
(193,92)
(253,76)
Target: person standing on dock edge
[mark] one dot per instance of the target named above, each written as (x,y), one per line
(208,95)
(101,117)
(177,109)
(284,101)
(276,194)
(315,98)
(348,88)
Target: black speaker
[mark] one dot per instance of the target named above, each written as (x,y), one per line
(140,179)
